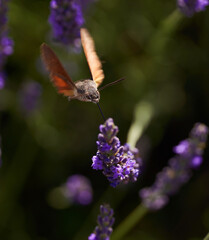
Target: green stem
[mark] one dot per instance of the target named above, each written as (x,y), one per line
(165,30)
(133,218)
(206,237)
(143,114)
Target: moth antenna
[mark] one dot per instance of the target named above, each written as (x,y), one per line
(112,83)
(101,112)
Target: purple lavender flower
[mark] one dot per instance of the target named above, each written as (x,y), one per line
(66,19)
(119,163)
(29,97)
(6,44)
(78,189)
(105,221)
(171,178)
(189,7)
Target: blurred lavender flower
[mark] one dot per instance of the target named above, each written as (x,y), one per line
(171,178)
(105,221)
(189,7)
(120,164)
(6,44)
(66,19)
(29,96)
(78,189)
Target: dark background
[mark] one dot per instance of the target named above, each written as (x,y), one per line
(164,57)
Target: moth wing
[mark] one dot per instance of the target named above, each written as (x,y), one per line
(94,63)
(57,73)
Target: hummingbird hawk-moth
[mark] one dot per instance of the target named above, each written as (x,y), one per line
(83,90)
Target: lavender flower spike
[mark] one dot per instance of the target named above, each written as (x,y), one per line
(66,19)
(78,189)
(6,44)
(189,7)
(118,163)
(171,178)
(105,221)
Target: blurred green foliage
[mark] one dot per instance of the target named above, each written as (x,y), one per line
(164,57)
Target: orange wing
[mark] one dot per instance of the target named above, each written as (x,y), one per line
(91,56)
(58,75)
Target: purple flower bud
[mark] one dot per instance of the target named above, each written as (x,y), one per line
(171,178)
(78,189)
(182,147)
(189,7)
(105,221)
(200,132)
(196,161)
(119,163)
(97,163)
(101,138)
(66,19)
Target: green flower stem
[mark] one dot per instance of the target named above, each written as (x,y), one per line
(165,30)
(206,237)
(143,114)
(134,217)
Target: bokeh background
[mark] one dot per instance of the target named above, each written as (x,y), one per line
(164,57)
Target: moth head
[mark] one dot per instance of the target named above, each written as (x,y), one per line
(93,96)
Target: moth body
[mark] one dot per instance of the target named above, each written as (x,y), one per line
(87,91)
